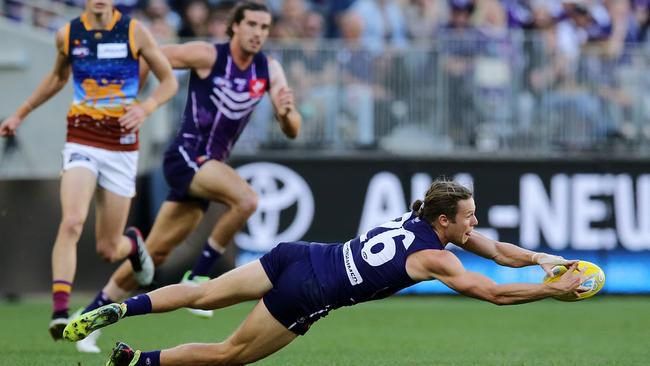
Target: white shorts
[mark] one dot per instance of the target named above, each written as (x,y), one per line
(115,170)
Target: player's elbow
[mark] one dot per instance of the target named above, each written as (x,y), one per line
(171,83)
(292,133)
(292,129)
(502,260)
(493,296)
(500,300)
(58,81)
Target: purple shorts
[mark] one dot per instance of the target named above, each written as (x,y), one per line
(180,165)
(297,299)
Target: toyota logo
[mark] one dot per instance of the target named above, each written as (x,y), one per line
(279,188)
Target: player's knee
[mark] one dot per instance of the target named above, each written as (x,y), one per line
(107,252)
(247,204)
(228,353)
(72,224)
(159,255)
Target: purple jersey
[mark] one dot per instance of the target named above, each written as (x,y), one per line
(219,106)
(373,265)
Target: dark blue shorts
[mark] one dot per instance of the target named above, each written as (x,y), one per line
(296,299)
(180,165)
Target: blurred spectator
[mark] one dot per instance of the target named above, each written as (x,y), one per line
(161,30)
(218,21)
(333,9)
(498,59)
(44,16)
(195,19)
(570,109)
(357,97)
(289,25)
(641,13)
(127,6)
(546,13)
(15,10)
(423,18)
(459,43)
(383,24)
(583,23)
(313,26)
(77,3)
(626,30)
(312,74)
(161,20)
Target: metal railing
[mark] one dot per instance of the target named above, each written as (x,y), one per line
(512,94)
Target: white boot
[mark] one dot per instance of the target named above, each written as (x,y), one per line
(89,344)
(196,280)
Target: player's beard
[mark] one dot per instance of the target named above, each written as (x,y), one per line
(250,46)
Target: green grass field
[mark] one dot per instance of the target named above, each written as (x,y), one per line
(397,331)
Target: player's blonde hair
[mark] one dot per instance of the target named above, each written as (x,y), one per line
(441,199)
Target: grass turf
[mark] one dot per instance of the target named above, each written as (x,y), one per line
(397,331)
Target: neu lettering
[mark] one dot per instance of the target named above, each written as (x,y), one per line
(580,211)
(571,213)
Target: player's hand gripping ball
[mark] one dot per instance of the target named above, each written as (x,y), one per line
(594,280)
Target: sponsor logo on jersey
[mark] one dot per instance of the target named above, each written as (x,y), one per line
(112,50)
(257,87)
(80,51)
(350,267)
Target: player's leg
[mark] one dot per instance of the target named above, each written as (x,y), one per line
(244,283)
(111,213)
(219,182)
(240,284)
(174,222)
(77,188)
(295,302)
(260,335)
(117,176)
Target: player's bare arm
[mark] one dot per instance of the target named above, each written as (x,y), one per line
(150,52)
(443,265)
(510,255)
(197,55)
(283,101)
(50,86)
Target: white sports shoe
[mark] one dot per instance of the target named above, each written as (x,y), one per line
(89,344)
(56,327)
(196,280)
(143,270)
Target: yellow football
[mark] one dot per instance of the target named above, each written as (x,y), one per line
(595,280)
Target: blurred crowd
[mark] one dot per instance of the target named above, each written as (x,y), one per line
(381,22)
(489,64)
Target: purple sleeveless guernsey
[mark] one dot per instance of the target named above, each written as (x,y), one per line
(219,107)
(373,265)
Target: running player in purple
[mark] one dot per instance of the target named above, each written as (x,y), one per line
(227,81)
(298,283)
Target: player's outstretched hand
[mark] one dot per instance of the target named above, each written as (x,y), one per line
(9,126)
(570,281)
(133,118)
(548,261)
(284,102)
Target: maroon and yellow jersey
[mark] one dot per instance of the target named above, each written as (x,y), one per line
(105,72)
